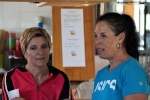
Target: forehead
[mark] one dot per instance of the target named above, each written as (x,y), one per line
(102,26)
(37,41)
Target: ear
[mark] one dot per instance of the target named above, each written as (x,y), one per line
(24,54)
(121,36)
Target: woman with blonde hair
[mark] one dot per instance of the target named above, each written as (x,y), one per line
(36,80)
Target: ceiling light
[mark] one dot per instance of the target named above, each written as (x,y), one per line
(41,4)
(86,3)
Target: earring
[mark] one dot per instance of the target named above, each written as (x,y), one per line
(118,46)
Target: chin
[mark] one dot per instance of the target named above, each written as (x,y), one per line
(102,57)
(41,64)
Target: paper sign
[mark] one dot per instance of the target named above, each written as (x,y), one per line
(73,46)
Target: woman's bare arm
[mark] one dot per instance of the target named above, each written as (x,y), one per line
(136,97)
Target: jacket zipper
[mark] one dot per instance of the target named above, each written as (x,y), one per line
(37,88)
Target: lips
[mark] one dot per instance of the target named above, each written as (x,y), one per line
(40,58)
(99,50)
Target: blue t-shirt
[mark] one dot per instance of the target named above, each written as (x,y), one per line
(128,78)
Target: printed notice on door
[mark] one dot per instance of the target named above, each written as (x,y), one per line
(73,46)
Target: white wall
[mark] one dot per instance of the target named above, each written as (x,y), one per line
(17,16)
(100,63)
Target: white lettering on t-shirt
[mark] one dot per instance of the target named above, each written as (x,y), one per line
(101,85)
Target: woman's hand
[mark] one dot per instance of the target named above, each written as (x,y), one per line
(17,98)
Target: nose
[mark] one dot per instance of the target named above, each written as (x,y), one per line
(40,51)
(97,41)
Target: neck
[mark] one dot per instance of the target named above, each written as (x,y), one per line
(39,74)
(119,59)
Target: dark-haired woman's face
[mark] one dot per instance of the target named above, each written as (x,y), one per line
(105,41)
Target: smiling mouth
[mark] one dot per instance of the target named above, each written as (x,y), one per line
(99,50)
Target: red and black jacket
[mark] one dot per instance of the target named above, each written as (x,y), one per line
(55,87)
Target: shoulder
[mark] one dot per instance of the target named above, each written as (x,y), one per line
(10,72)
(15,70)
(102,70)
(57,71)
(134,76)
(132,68)
(132,65)
(133,62)
(8,78)
(101,73)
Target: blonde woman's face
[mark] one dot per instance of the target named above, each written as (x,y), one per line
(37,53)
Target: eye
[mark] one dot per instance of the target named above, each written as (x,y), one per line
(33,48)
(44,46)
(95,35)
(103,35)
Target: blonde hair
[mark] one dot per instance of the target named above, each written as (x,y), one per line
(32,32)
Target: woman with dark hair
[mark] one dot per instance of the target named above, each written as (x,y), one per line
(124,78)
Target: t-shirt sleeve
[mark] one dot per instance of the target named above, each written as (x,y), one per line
(135,80)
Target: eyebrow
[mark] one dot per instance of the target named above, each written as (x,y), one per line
(41,44)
